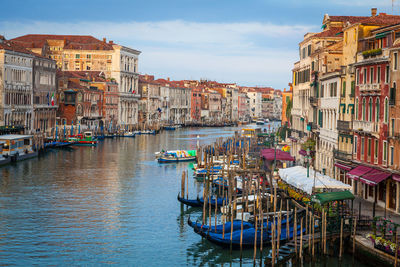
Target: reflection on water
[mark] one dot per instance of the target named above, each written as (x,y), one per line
(113,204)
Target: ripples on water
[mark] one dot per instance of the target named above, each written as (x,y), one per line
(113,204)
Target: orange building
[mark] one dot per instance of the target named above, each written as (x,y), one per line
(287,96)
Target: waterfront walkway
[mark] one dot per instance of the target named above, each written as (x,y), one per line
(367,210)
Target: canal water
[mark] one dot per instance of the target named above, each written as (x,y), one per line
(110,204)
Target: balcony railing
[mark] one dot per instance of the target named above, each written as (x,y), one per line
(338,154)
(369,87)
(392,102)
(366,126)
(343,125)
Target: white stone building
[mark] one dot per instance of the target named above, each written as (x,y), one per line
(329,110)
(16,93)
(255,104)
(124,70)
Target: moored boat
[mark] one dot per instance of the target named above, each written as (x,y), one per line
(176,156)
(17,147)
(85,139)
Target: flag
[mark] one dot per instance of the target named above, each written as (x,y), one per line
(52,99)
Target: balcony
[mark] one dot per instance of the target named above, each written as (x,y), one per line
(366,126)
(343,125)
(342,155)
(314,101)
(392,102)
(369,87)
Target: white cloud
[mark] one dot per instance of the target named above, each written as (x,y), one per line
(248,52)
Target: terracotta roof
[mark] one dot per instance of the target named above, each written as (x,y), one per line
(81,42)
(351,19)
(332,32)
(13,46)
(382,19)
(93,76)
(75,85)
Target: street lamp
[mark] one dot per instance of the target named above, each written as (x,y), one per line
(308,162)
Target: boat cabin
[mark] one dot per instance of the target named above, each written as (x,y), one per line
(248,132)
(13,144)
(88,134)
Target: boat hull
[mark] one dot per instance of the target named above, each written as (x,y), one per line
(175,159)
(189,202)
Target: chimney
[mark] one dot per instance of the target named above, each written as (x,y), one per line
(374,10)
(104,40)
(168,79)
(111,42)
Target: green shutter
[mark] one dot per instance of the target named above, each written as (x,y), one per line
(352,88)
(344,89)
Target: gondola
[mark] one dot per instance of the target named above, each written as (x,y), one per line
(189,202)
(247,237)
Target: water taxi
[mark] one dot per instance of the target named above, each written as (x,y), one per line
(17,147)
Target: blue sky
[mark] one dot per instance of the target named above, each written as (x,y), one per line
(252,42)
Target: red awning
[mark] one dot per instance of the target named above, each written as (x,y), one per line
(269,154)
(396,177)
(358,171)
(342,166)
(374,177)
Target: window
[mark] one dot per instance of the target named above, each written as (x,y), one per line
(358,76)
(355,144)
(370,109)
(386,110)
(322,90)
(395,61)
(352,89)
(88,56)
(362,146)
(365,76)
(384,151)
(369,148)
(392,94)
(391,155)
(376,150)
(77,56)
(392,128)
(371,75)
(387,74)
(364,109)
(378,73)
(344,89)
(309,50)
(377,110)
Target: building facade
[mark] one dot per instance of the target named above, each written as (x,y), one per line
(16,85)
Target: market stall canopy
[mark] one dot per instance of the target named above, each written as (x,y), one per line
(326,197)
(269,154)
(297,177)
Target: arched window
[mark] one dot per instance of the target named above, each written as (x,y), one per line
(377,109)
(386,110)
(357,108)
(370,109)
(364,109)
